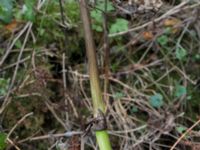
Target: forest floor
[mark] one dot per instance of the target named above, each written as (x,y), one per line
(149,74)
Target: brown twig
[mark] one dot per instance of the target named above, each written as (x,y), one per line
(13,144)
(14,127)
(55,114)
(106,53)
(65,85)
(43,137)
(13,43)
(18,122)
(7,99)
(184,134)
(63,22)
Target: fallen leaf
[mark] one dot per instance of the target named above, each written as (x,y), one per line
(12,26)
(171,22)
(148,35)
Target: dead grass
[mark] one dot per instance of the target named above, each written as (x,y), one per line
(60,91)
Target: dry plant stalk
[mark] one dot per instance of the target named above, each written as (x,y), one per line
(98,104)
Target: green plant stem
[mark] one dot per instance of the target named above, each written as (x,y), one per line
(102,136)
(103,140)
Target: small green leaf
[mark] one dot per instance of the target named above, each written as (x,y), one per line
(197,56)
(6,7)
(119,26)
(18,44)
(28,10)
(98,28)
(72,11)
(162,40)
(156,100)
(168,30)
(118,95)
(3,86)
(1,51)
(2,141)
(134,109)
(180,53)
(101,6)
(98,19)
(41,31)
(97,16)
(189,97)
(180,91)
(114,67)
(181,129)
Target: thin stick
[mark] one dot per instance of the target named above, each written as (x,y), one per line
(184,134)
(63,22)
(67,96)
(7,99)
(65,86)
(12,143)
(13,43)
(106,53)
(18,122)
(55,114)
(43,137)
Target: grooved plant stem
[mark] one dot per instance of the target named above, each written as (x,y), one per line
(102,136)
